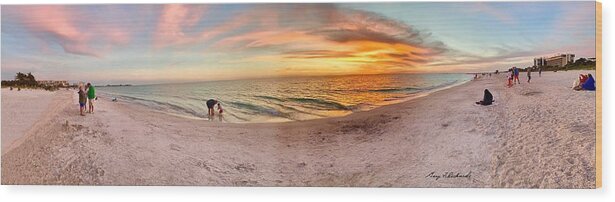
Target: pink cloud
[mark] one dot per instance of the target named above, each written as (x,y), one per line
(233,24)
(176,18)
(57,24)
(173,20)
(116,35)
(499,14)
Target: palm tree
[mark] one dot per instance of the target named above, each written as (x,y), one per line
(20,76)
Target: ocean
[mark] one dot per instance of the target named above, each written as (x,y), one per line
(283,99)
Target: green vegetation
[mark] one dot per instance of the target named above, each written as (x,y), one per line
(26,81)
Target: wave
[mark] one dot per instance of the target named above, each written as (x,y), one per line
(319,102)
(282,102)
(396,89)
(322,103)
(164,106)
(445,84)
(269,98)
(257,109)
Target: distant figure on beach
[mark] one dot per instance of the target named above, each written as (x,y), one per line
(82,99)
(497,71)
(516,73)
(529,75)
(210,107)
(487,99)
(539,71)
(18,89)
(11,88)
(91,96)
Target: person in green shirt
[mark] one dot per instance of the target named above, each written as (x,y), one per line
(91,96)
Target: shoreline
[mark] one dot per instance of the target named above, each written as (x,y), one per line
(143,109)
(375,106)
(398,145)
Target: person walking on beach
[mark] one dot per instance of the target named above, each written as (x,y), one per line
(210,107)
(516,77)
(529,74)
(91,96)
(539,71)
(82,99)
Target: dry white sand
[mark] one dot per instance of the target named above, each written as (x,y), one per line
(21,110)
(536,135)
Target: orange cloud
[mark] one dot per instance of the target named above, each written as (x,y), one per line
(289,33)
(330,34)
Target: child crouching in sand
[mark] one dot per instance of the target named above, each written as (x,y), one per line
(220,110)
(82,99)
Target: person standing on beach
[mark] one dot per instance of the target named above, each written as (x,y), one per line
(91,96)
(529,74)
(539,71)
(82,100)
(516,73)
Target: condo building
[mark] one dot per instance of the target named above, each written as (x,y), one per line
(554,61)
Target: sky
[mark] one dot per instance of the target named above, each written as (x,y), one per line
(162,43)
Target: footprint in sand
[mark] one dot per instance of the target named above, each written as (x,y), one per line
(175,147)
(245,167)
(531,93)
(570,160)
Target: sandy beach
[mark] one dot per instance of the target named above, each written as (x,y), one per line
(538,135)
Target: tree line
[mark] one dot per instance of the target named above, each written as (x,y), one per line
(26,81)
(581,63)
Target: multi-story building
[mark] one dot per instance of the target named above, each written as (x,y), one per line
(539,62)
(554,61)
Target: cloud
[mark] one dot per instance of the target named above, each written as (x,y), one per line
(498,13)
(504,58)
(63,25)
(298,32)
(319,54)
(325,31)
(173,20)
